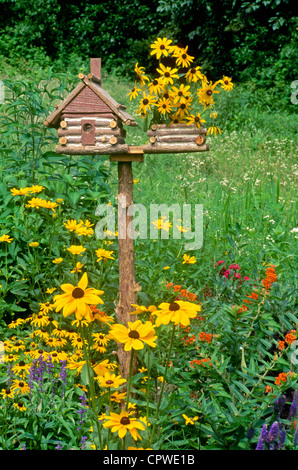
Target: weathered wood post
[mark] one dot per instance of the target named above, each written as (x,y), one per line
(127,284)
(127,292)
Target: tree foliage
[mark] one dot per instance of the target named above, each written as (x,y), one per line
(256,39)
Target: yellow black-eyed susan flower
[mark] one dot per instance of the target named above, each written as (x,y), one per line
(110,380)
(167,74)
(123,423)
(22,368)
(160,47)
(76,299)
(20,386)
(179,312)
(135,335)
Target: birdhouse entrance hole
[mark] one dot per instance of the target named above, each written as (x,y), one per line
(88,132)
(87,127)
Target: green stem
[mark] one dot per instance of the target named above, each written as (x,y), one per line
(163,382)
(129,379)
(91,384)
(148,386)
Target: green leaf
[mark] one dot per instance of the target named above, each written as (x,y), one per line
(232,407)
(242,387)
(84,375)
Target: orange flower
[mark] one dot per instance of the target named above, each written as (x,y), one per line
(282,377)
(268,389)
(270,277)
(190,339)
(242,309)
(253,295)
(205,337)
(290,338)
(200,362)
(281,345)
(184,293)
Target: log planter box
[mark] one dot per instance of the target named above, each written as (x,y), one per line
(176,138)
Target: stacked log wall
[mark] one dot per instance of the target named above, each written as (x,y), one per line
(176,138)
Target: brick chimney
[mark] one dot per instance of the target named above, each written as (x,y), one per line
(95,68)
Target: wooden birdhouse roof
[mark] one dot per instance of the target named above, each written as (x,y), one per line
(89,97)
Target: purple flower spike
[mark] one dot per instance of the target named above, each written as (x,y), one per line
(63,371)
(295,439)
(83,410)
(59,446)
(263,438)
(83,442)
(280,402)
(282,438)
(293,409)
(273,433)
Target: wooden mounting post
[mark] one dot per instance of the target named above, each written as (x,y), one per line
(127,285)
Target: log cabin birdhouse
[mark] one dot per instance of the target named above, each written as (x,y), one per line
(89,120)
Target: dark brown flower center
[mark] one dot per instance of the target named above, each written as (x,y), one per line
(193,70)
(174,306)
(77,293)
(145,101)
(180,93)
(133,334)
(183,106)
(21,364)
(197,119)
(209,92)
(109,382)
(167,74)
(125,420)
(226,82)
(162,46)
(155,82)
(184,56)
